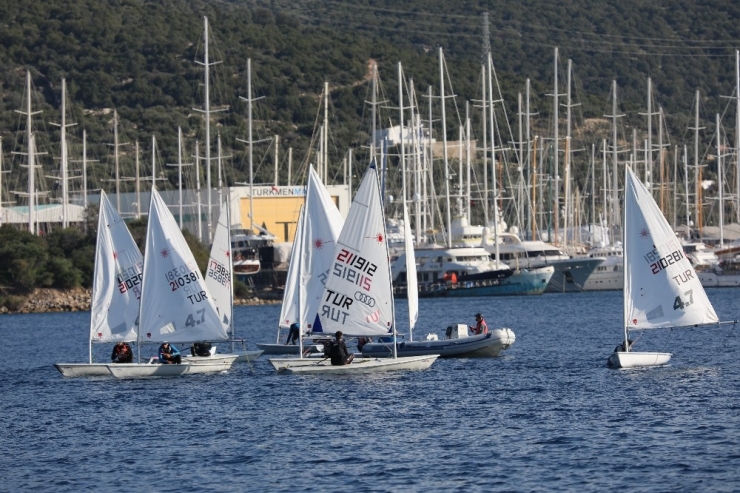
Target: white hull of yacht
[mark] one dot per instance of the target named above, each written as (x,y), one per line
(713,280)
(366,365)
(635,359)
(73,370)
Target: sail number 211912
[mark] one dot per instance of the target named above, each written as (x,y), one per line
(680,304)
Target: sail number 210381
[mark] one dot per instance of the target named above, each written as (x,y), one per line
(680,304)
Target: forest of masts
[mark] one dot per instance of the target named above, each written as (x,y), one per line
(554,177)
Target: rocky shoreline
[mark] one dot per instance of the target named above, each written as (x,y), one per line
(78,300)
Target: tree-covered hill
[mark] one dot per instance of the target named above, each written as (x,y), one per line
(140,57)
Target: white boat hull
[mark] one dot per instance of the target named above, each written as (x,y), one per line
(214,358)
(635,359)
(147,370)
(247,356)
(487,345)
(83,369)
(365,365)
(283,363)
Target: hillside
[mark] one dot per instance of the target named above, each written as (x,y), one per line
(140,58)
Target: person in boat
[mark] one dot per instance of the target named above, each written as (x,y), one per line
(339,354)
(122,353)
(169,354)
(481,327)
(361,341)
(293,334)
(620,348)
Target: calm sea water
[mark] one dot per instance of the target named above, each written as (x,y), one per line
(547,416)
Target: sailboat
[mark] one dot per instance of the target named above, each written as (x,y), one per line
(661,288)
(220,283)
(457,343)
(357,297)
(176,306)
(116,289)
(316,235)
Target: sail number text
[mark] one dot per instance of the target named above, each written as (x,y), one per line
(129,279)
(680,304)
(180,277)
(354,269)
(658,263)
(218,273)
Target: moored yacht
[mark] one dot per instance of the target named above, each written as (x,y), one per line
(570,274)
(466,272)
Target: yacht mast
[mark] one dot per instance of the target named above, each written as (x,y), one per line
(444,148)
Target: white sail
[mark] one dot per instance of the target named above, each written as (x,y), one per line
(116,289)
(219,272)
(176,305)
(661,287)
(322,225)
(289,309)
(357,298)
(412,291)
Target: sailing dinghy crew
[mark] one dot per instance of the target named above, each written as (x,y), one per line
(169,354)
(122,353)
(338,353)
(293,333)
(620,348)
(481,327)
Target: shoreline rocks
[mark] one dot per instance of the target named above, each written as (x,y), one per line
(78,299)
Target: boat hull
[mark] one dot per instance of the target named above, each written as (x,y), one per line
(487,345)
(523,282)
(571,275)
(73,370)
(283,363)
(634,359)
(247,356)
(366,365)
(267,348)
(148,370)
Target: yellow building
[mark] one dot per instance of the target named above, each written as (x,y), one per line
(276,209)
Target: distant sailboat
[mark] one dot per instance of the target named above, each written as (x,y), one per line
(357,298)
(114,307)
(176,306)
(219,279)
(661,288)
(311,258)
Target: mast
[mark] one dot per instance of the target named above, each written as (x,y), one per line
(400,133)
(737,136)
(197,189)
(65,183)
(373,105)
(325,159)
(556,154)
(207,108)
(467,158)
(137,182)
(697,169)
(485,146)
(493,162)
(179,169)
(444,148)
(615,160)
(686,187)
(720,186)
(625,261)
(115,154)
